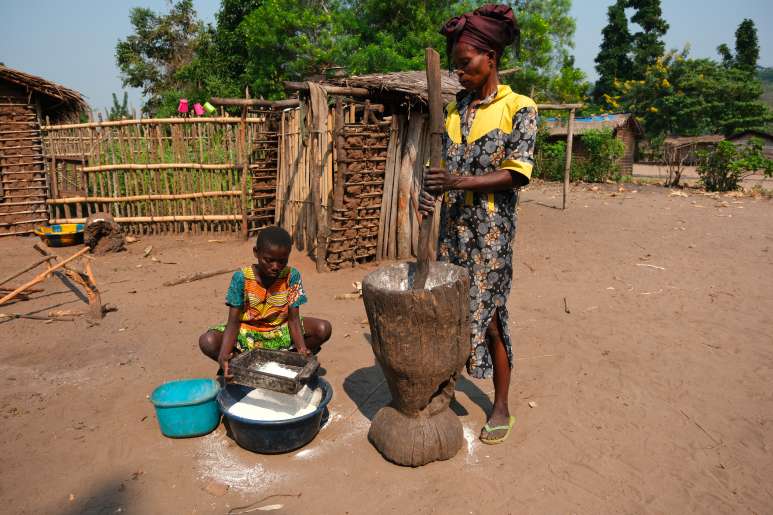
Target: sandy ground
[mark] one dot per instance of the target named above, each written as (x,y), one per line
(653,394)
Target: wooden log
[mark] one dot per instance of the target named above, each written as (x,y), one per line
(405,185)
(36,317)
(135,198)
(256,102)
(568,164)
(434,88)
(330,90)
(158,219)
(43,275)
(227,120)
(421,340)
(26,269)
(199,276)
(560,107)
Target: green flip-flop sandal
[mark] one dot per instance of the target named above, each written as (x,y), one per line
(490,429)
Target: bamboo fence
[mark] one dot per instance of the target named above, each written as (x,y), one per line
(166,175)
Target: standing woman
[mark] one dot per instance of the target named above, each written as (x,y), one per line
(488,147)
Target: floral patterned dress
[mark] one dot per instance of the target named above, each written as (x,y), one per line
(264,310)
(477,229)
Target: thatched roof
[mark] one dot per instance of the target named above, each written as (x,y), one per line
(412,83)
(684,141)
(59,100)
(558,127)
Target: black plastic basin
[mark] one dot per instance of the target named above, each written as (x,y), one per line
(273,436)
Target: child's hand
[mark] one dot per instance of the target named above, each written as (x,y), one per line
(224,361)
(303,351)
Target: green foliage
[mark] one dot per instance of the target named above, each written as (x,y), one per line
(119,110)
(603,152)
(648,45)
(549,158)
(259,44)
(288,40)
(747,48)
(614,60)
(159,47)
(724,167)
(690,97)
(391,36)
(546,64)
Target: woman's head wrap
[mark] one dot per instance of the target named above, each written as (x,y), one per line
(491,27)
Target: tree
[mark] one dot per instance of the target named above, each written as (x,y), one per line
(159,47)
(119,110)
(392,36)
(747,48)
(545,63)
(690,97)
(614,59)
(647,44)
(728,60)
(288,40)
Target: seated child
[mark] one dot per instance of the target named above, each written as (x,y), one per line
(264,301)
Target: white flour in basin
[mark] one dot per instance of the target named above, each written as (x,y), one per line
(262,404)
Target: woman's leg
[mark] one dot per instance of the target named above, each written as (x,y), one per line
(500,415)
(210,343)
(316,332)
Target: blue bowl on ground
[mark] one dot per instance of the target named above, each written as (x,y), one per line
(273,436)
(187,407)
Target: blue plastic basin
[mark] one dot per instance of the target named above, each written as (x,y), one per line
(187,407)
(277,436)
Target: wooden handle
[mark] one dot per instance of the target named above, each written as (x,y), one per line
(435,159)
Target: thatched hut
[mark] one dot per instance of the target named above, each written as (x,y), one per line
(623,126)
(25,101)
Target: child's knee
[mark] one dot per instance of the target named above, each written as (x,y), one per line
(327,330)
(207,343)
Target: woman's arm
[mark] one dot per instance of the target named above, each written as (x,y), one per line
(229,339)
(296,334)
(438,180)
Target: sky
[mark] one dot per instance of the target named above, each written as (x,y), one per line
(72,42)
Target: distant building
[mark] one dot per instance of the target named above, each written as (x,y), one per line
(26,101)
(746,136)
(683,150)
(624,127)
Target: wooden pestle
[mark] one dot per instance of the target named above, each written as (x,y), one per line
(434,89)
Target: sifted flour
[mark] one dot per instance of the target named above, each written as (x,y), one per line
(272,367)
(262,404)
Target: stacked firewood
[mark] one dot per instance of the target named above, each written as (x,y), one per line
(354,226)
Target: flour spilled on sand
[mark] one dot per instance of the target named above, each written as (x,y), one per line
(218,462)
(472,443)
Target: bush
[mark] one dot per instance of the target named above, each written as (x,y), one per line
(549,158)
(603,149)
(725,166)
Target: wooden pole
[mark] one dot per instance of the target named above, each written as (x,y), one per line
(341,165)
(435,94)
(568,166)
(330,90)
(26,269)
(42,276)
(245,171)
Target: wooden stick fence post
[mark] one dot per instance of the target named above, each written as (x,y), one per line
(568,166)
(245,171)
